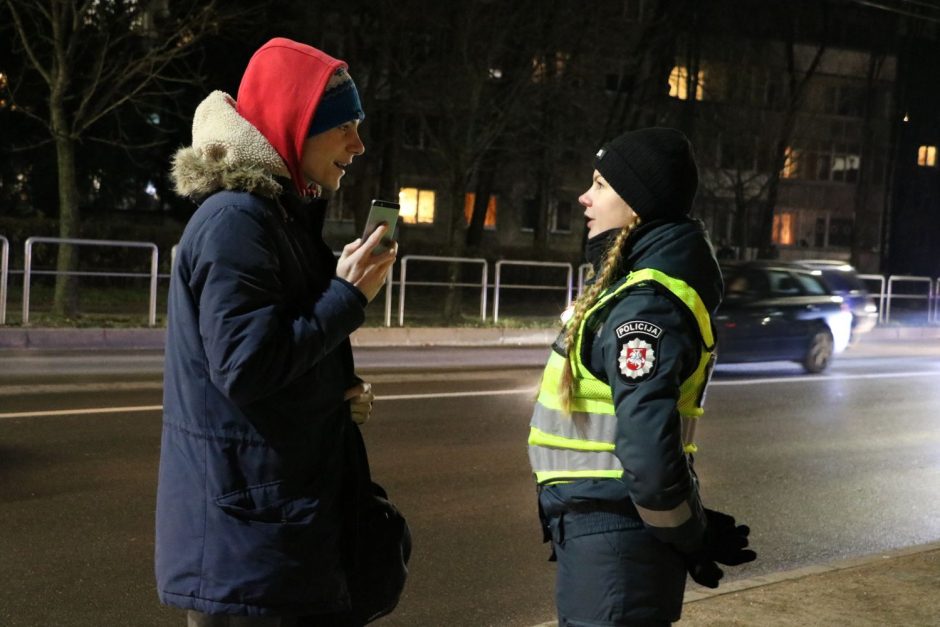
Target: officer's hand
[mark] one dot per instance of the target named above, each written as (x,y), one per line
(360,399)
(703,571)
(725,542)
(360,267)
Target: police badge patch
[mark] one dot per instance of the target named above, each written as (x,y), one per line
(637,345)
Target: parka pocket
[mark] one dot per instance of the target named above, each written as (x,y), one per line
(269,503)
(268,545)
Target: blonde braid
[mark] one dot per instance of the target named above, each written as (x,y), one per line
(584,303)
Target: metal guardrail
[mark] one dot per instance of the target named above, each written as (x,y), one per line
(582,271)
(908,279)
(881,292)
(403,281)
(4,272)
(936,304)
(389,282)
(885,292)
(28,265)
(497,285)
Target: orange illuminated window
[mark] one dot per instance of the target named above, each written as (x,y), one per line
(679,83)
(540,66)
(927,156)
(783,229)
(791,164)
(417,205)
(490,220)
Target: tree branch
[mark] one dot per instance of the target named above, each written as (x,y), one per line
(24,40)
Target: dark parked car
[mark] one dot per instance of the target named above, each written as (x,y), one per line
(843,280)
(780,311)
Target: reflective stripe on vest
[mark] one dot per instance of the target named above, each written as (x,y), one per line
(579,445)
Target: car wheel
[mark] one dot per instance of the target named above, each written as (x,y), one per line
(819,352)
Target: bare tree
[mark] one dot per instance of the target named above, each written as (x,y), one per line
(645,66)
(94,59)
(591,89)
(756,117)
(796,85)
(866,231)
(468,94)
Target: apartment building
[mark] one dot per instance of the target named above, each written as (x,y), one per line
(798,133)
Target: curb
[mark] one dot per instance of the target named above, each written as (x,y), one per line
(445,336)
(77,339)
(154,339)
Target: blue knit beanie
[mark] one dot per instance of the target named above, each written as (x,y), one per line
(338,105)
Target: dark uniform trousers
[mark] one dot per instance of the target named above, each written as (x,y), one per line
(623,577)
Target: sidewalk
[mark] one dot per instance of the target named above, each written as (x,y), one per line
(898,588)
(886,589)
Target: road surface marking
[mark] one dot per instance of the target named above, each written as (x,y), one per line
(528,390)
(401,397)
(821,378)
(81,412)
(117,410)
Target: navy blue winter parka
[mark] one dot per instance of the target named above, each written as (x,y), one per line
(252,464)
(258,448)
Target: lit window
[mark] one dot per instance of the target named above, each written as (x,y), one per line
(791,164)
(417,205)
(927,156)
(542,64)
(679,83)
(783,229)
(845,168)
(490,220)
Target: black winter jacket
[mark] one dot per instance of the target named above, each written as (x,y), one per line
(657,474)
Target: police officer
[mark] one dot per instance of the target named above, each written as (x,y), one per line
(612,433)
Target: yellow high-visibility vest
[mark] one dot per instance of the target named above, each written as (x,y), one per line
(580,445)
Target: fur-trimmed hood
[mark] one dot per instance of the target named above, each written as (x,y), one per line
(227,153)
(242,145)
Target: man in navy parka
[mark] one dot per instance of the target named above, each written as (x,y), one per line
(256,458)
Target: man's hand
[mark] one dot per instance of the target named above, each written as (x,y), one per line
(360,400)
(725,543)
(360,267)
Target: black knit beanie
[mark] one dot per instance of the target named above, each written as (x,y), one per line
(653,169)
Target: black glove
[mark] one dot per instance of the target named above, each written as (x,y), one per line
(704,572)
(724,543)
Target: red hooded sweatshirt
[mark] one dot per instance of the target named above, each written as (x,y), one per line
(279,94)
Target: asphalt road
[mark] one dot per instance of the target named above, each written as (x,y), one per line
(841,465)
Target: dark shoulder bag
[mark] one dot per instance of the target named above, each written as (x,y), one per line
(381,546)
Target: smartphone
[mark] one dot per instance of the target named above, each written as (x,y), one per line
(382,211)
